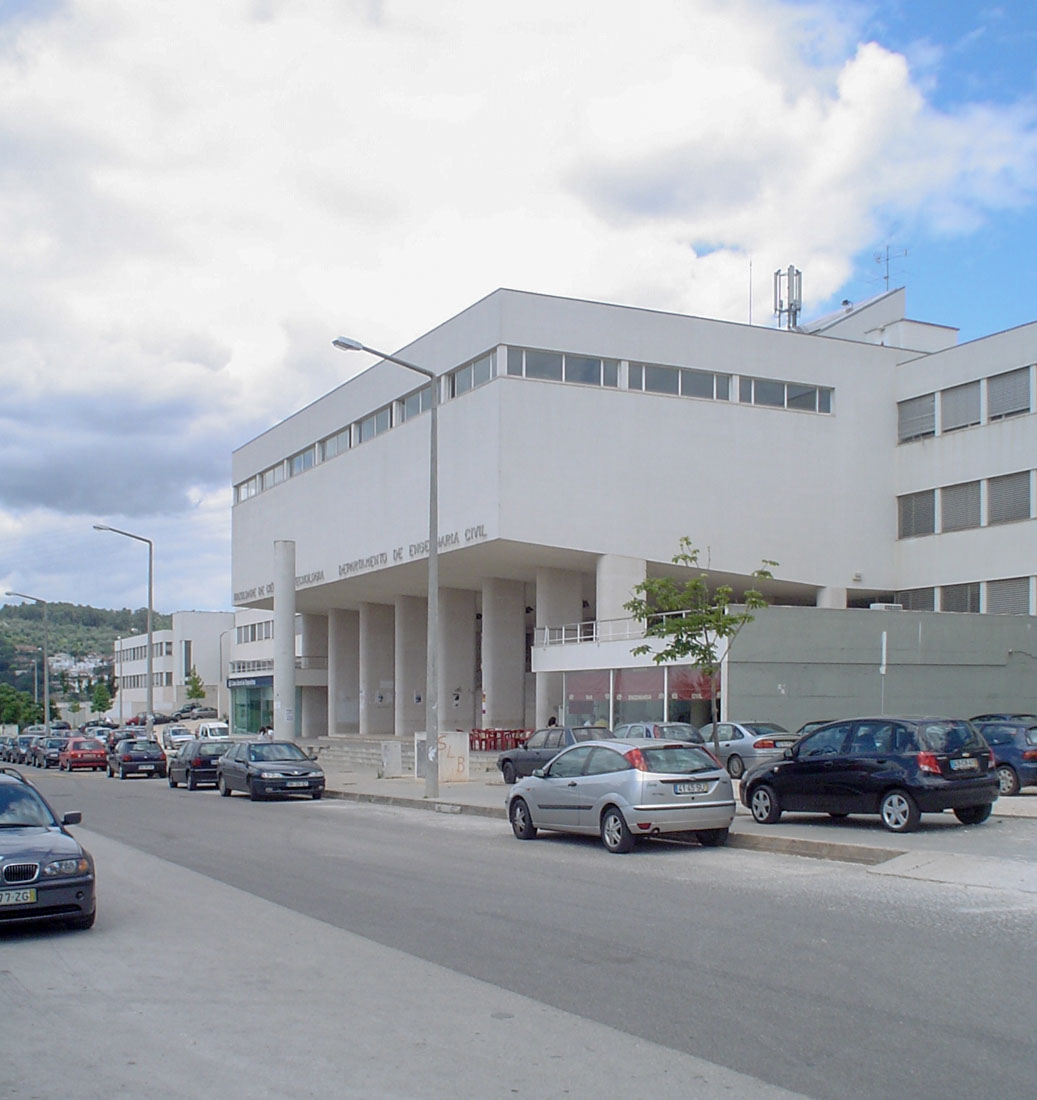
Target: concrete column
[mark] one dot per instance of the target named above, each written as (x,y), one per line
(376,669)
(284,639)
(343,671)
(313,638)
(617,577)
(503,654)
(313,719)
(831,597)
(457,707)
(411,664)
(559,601)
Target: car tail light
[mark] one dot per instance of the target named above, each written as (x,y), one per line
(125,758)
(197,762)
(927,762)
(766,743)
(636,759)
(1030,754)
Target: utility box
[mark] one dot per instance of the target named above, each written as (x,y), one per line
(392,758)
(452,755)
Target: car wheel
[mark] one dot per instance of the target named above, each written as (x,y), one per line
(315,795)
(1007,780)
(81,924)
(764,805)
(899,812)
(521,823)
(192,784)
(973,815)
(711,838)
(614,832)
(122,772)
(508,772)
(252,792)
(221,786)
(735,767)
(172,782)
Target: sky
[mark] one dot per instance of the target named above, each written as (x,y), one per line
(197,197)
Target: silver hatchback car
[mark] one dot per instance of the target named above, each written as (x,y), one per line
(625,790)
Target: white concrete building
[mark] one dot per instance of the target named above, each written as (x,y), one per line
(869,455)
(195,640)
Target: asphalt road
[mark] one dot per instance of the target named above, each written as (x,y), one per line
(677,970)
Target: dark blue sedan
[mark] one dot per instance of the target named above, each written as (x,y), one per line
(1014,745)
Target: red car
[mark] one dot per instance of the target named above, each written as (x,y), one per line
(82,752)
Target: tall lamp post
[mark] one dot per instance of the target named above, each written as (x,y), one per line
(46,664)
(150,705)
(343,343)
(219,685)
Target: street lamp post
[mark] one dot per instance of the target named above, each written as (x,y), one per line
(46,663)
(343,343)
(150,704)
(219,684)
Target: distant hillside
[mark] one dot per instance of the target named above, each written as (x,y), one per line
(71,628)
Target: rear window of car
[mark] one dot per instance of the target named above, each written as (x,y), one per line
(765,727)
(678,759)
(591,733)
(681,730)
(87,745)
(213,748)
(999,735)
(950,737)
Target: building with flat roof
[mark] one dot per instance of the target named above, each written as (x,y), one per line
(871,456)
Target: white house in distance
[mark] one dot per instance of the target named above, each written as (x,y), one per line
(197,639)
(881,464)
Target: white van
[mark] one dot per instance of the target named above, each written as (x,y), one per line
(216,730)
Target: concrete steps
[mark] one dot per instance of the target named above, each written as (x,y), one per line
(366,752)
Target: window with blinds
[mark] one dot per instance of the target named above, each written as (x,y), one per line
(916,417)
(1008,498)
(917,599)
(1008,394)
(917,514)
(959,407)
(1009,597)
(959,506)
(960,597)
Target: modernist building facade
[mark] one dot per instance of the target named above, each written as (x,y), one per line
(871,456)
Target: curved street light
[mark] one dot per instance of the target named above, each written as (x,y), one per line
(150,704)
(46,664)
(344,343)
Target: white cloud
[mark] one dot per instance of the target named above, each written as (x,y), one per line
(195,197)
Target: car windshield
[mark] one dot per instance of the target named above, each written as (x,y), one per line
(765,727)
(213,748)
(590,733)
(55,742)
(682,730)
(21,806)
(678,759)
(950,737)
(276,750)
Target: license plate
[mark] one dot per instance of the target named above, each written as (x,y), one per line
(18,897)
(147,767)
(690,788)
(965,764)
(296,783)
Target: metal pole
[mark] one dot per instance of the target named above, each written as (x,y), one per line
(344,343)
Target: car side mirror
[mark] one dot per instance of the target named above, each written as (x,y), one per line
(539,773)
(311,753)
(74,817)
(787,754)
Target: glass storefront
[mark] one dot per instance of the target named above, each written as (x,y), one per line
(252,703)
(611,697)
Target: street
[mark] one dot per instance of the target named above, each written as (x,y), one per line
(336,949)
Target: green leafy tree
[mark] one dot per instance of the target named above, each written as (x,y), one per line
(101,699)
(75,706)
(694,617)
(195,686)
(17,707)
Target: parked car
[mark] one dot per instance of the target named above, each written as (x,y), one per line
(668,731)
(1014,744)
(626,790)
(61,725)
(195,762)
(814,724)
(46,751)
(19,748)
(542,746)
(82,752)
(1029,719)
(744,745)
(898,768)
(173,736)
(193,711)
(45,873)
(217,730)
(261,768)
(136,756)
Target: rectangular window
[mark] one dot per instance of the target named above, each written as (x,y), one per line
(917,514)
(766,392)
(515,361)
(723,382)
(916,417)
(960,597)
(917,599)
(636,377)
(824,399)
(662,379)
(696,383)
(545,365)
(583,370)
(959,407)
(1008,498)
(610,372)
(418,402)
(335,444)
(461,381)
(483,369)
(802,397)
(959,506)
(745,390)
(1009,597)
(1008,394)
(273,476)
(301,462)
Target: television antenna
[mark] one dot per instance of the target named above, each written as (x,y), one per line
(883,259)
(790,305)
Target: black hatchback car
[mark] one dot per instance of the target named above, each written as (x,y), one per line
(136,756)
(195,762)
(898,768)
(45,874)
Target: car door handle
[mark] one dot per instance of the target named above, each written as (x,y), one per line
(571,783)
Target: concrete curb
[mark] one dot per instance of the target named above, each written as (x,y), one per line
(793,846)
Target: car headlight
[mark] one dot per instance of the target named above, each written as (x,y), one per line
(269,775)
(75,866)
